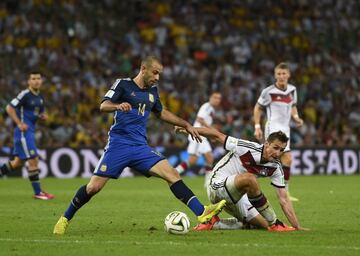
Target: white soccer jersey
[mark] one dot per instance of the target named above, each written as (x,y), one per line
(206,112)
(245,156)
(278,104)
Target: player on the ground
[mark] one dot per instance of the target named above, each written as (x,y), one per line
(245,217)
(204,118)
(235,175)
(25,110)
(132,100)
(280,101)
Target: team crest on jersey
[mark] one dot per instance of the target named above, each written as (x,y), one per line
(263,172)
(133,94)
(103,168)
(32,152)
(151,97)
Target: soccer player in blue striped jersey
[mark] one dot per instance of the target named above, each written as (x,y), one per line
(25,109)
(132,100)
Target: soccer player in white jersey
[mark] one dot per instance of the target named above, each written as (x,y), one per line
(204,118)
(280,101)
(235,176)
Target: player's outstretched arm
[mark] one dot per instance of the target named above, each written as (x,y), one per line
(202,122)
(288,208)
(210,133)
(109,106)
(171,118)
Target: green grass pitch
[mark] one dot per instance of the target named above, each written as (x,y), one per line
(126,218)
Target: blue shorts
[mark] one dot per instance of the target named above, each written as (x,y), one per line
(117,156)
(24,145)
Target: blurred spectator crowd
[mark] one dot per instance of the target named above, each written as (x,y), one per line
(81,47)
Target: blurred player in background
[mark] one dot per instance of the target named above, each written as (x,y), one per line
(133,100)
(280,102)
(25,110)
(204,118)
(235,176)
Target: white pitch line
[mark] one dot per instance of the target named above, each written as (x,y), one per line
(119,242)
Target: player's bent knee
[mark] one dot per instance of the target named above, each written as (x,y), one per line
(252,182)
(246,182)
(172,176)
(17,163)
(33,163)
(92,188)
(286,159)
(165,171)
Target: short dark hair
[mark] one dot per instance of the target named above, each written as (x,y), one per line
(215,92)
(279,135)
(148,60)
(34,72)
(282,65)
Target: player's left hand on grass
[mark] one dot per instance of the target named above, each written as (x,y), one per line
(194,133)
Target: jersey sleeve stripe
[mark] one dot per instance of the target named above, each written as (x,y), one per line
(110,93)
(224,146)
(249,145)
(113,87)
(22,94)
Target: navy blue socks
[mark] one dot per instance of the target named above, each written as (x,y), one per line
(81,197)
(183,193)
(35,181)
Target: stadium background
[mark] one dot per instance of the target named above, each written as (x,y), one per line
(81,47)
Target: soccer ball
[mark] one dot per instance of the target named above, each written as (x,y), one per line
(177,223)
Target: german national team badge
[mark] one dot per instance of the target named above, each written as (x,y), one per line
(263,172)
(103,168)
(151,97)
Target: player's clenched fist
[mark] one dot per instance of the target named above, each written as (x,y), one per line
(124,107)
